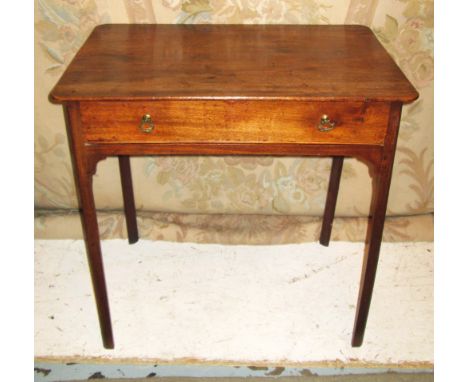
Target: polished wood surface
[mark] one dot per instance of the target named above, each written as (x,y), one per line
(84,169)
(148,62)
(232,90)
(128,198)
(381,178)
(332,197)
(235,121)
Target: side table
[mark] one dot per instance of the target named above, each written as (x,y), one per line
(280,90)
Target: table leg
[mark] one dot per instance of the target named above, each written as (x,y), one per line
(330,204)
(381,178)
(93,249)
(84,166)
(371,253)
(128,198)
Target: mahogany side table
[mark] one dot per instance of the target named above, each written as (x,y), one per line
(232,90)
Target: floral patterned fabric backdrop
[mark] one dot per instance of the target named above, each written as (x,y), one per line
(238,185)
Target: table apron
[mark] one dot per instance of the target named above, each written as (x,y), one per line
(366,152)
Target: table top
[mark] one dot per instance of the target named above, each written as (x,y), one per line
(287,62)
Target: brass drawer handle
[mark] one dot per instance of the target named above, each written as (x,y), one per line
(325,124)
(146,124)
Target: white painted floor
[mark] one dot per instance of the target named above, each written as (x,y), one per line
(290,304)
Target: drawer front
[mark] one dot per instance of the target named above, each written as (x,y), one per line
(234,122)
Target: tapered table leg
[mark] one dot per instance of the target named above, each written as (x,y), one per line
(371,254)
(84,166)
(330,204)
(128,198)
(382,174)
(93,249)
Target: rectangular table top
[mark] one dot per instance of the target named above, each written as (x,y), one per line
(287,62)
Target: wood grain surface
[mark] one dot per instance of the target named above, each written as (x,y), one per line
(146,62)
(234,121)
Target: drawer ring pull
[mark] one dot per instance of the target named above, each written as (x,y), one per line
(325,124)
(146,124)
